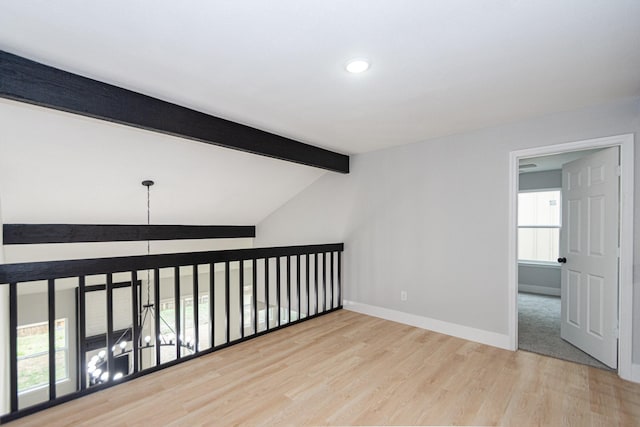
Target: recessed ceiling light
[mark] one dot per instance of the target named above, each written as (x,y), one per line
(356,66)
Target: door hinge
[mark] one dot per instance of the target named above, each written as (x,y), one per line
(619,170)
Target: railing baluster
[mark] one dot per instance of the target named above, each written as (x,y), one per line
(13,346)
(241,299)
(278,286)
(196,308)
(308,274)
(339,279)
(324,281)
(51,296)
(134,321)
(254,281)
(82,333)
(298,283)
(331,281)
(156,318)
(212,303)
(289,288)
(266,293)
(110,360)
(140,302)
(227,279)
(315,273)
(176,298)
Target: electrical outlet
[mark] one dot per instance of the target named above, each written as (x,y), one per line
(403,295)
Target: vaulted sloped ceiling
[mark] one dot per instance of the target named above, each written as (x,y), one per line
(58,167)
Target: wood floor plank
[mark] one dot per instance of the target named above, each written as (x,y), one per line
(346,368)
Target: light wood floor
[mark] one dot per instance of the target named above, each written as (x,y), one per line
(348,369)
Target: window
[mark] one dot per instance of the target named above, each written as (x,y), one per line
(539,226)
(33,354)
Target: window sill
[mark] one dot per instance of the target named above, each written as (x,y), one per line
(541,264)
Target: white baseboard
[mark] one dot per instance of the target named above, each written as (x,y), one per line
(534,289)
(465,332)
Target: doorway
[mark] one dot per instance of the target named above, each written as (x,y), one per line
(625,144)
(540,209)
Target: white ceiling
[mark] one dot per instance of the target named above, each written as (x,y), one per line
(438,67)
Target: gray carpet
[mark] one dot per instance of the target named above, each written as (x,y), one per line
(539,330)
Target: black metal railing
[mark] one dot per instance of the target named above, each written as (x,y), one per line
(278,298)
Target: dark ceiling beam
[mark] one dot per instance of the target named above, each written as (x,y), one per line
(28,81)
(26,234)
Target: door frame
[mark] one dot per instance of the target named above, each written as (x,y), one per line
(625,278)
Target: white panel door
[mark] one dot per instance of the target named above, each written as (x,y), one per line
(589,254)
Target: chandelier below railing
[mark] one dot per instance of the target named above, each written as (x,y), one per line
(97,368)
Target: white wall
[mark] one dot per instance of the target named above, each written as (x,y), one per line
(539,279)
(431,218)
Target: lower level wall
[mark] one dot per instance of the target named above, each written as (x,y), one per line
(35,310)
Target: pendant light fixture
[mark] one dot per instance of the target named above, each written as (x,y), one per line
(97,368)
